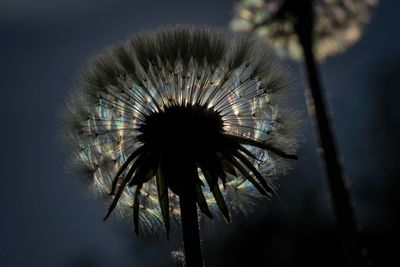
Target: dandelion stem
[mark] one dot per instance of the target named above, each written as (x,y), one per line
(344,212)
(339,186)
(190,226)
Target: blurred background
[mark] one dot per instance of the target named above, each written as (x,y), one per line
(46,220)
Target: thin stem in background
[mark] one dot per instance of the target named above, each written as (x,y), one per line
(338,184)
(354,252)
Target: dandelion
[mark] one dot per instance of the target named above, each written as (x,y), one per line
(338,25)
(179,118)
(312,30)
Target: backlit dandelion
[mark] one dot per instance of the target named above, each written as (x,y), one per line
(338,25)
(179,118)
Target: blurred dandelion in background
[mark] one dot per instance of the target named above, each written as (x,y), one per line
(338,25)
(310,31)
(178,118)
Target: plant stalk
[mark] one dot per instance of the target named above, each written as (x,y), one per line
(190,228)
(354,252)
(187,173)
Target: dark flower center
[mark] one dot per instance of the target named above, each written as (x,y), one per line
(187,129)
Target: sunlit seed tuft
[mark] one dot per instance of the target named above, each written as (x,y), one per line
(182,94)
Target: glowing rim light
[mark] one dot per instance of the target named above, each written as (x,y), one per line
(125,83)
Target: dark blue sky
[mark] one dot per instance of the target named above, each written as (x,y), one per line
(46,220)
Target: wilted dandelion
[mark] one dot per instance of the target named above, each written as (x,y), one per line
(338,25)
(179,117)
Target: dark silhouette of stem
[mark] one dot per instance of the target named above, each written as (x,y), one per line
(190,228)
(354,252)
(339,187)
(186,172)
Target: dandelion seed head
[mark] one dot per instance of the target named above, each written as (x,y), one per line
(338,25)
(199,92)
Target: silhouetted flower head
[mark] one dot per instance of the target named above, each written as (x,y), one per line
(338,24)
(182,98)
